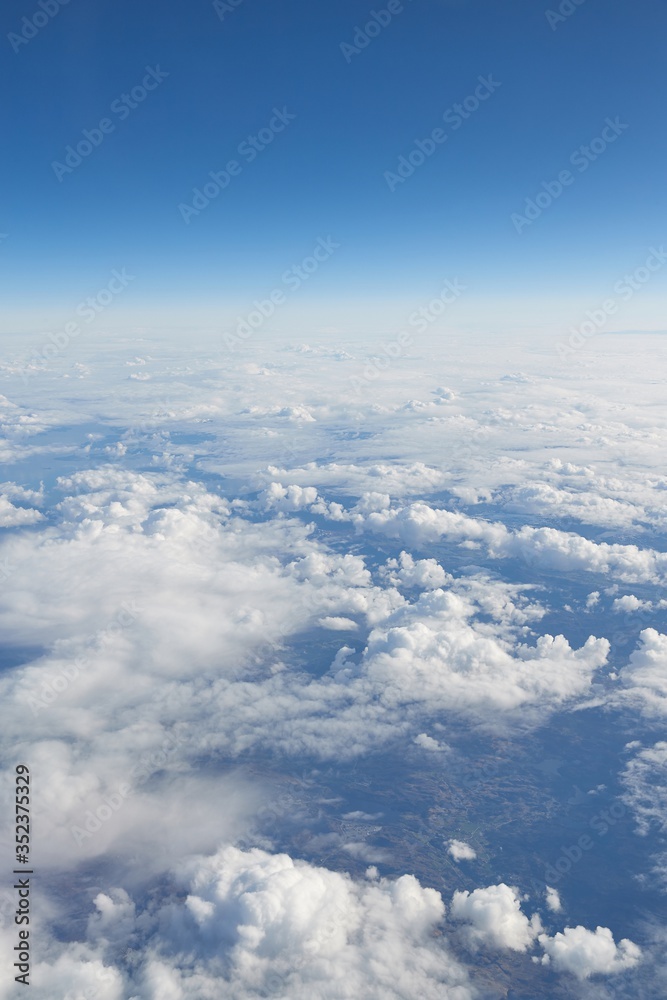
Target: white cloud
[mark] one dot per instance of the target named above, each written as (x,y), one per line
(427,742)
(583,505)
(338,624)
(553,899)
(419,525)
(493,918)
(212,593)
(408,572)
(645,781)
(220,593)
(461,851)
(250,922)
(629,603)
(644,678)
(431,652)
(404,478)
(288,498)
(586,953)
(12,516)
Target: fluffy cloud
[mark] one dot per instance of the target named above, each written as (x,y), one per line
(335,623)
(427,742)
(553,899)
(248,924)
(629,603)
(320,930)
(180,595)
(461,851)
(288,498)
(420,525)
(431,652)
(11,516)
(402,479)
(644,678)
(405,571)
(493,918)
(583,505)
(166,632)
(587,953)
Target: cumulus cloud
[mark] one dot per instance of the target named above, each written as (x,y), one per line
(553,899)
(403,478)
(405,571)
(493,918)
(431,652)
(338,624)
(11,516)
(461,851)
(629,603)
(586,953)
(419,525)
(249,923)
(288,498)
(181,594)
(157,630)
(644,677)
(427,742)
(582,505)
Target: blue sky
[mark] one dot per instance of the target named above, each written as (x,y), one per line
(557,79)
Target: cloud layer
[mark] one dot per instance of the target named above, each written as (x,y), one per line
(241,569)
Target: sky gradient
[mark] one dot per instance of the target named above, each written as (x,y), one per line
(350,106)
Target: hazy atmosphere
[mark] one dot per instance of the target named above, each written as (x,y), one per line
(333,623)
